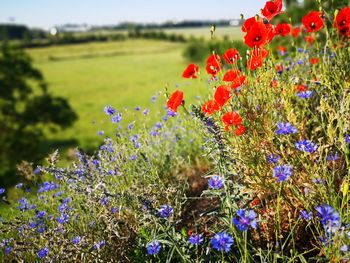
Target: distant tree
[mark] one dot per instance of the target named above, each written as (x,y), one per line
(26,108)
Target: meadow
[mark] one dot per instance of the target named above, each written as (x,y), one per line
(256,170)
(123,74)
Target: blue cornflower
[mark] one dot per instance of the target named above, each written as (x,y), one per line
(333,157)
(347,139)
(195,239)
(131,126)
(282,172)
(115,210)
(306,146)
(330,219)
(104,200)
(272,158)
(222,242)
(137,145)
(76,240)
(245,219)
(100,133)
(344,248)
(305,94)
(133,138)
(137,108)
(170,113)
(47,186)
(285,128)
(2,190)
(165,211)
(117,118)
(20,185)
(109,110)
(7,250)
(23,204)
(41,214)
(62,219)
(153,248)
(153,133)
(133,157)
(43,253)
(99,244)
(153,99)
(305,215)
(63,207)
(158,125)
(216,182)
(145,112)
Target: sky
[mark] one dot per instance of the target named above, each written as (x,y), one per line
(48,13)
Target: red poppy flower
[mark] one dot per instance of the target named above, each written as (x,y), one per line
(231,56)
(191,71)
(283,29)
(213,64)
(279,68)
(175,100)
(271,9)
(301,88)
(250,22)
(257,35)
(282,50)
(313,21)
(214,59)
(342,22)
(255,202)
(296,31)
(255,62)
(210,107)
(240,130)
(309,39)
(260,52)
(270,32)
(231,118)
(222,95)
(231,75)
(239,81)
(274,83)
(314,61)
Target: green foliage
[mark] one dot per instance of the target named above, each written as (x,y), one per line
(197,50)
(26,106)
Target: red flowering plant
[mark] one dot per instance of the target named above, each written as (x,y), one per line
(277,139)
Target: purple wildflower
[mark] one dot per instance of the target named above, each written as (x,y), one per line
(165,211)
(195,239)
(117,118)
(347,139)
(216,182)
(245,219)
(43,253)
(305,215)
(305,94)
(272,158)
(222,242)
(109,110)
(76,240)
(306,146)
(282,172)
(285,128)
(153,248)
(333,157)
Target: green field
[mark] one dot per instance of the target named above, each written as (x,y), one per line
(232,32)
(122,74)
